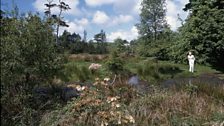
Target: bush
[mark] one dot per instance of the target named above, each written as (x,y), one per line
(115,64)
(28,58)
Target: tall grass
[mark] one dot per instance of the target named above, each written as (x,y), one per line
(176,108)
(74,72)
(152,70)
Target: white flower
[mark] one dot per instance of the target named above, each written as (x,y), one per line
(131,119)
(80,88)
(118,105)
(106,79)
(119,121)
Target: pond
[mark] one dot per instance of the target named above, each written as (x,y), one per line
(209,80)
(202,79)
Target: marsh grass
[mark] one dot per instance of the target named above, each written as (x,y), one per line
(73,72)
(166,107)
(153,70)
(176,108)
(149,69)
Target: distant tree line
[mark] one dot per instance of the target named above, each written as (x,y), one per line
(74,44)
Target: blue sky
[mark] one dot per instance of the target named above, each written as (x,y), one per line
(116,17)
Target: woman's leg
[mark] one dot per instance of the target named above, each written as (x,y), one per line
(189,67)
(192,67)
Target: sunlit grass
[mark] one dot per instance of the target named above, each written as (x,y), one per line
(154,70)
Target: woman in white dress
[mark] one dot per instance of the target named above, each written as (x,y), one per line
(191,60)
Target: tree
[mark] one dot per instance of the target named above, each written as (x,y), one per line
(101,47)
(57,19)
(65,40)
(120,45)
(152,18)
(100,37)
(203,32)
(75,37)
(84,36)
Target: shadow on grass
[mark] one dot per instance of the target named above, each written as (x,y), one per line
(170,70)
(218,68)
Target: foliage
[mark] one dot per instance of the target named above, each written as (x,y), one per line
(152,18)
(203,32)
(100,37)
(73,44)
(155,34)
(120,45)
(115,64)
(28,58)
(56,19)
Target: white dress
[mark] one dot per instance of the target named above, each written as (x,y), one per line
(191,60)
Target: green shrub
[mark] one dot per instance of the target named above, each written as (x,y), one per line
(28,58)
(115,64)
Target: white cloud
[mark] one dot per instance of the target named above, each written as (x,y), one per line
(127,6)
(173,9)
(76,26)
(137,7)
(98,2)
(120,20)
(100,17)
(73,4)
(119,6)
(82,22)
(127,35)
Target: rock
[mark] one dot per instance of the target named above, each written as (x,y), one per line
(68,93)
(42,93)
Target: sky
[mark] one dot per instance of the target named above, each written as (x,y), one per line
(116,17)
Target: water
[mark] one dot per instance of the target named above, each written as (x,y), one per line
(134,80)
(144,86)
(203,79)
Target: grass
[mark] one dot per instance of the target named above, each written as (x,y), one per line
(78,71)
(147,68)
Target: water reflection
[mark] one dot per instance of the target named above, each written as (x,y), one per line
(134,80)
(177,83)
(189,82)
(205,80)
